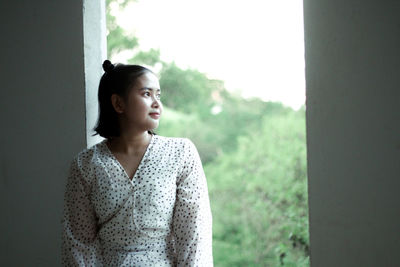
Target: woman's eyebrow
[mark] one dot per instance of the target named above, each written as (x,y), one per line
(148,88)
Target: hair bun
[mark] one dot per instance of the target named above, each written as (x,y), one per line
(108,66)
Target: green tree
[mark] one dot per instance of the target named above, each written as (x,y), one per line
(240,117)
(149,58)
(117,39)
(187,90)
(259,196)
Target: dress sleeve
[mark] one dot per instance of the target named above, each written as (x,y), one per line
(80,245)
(192,223)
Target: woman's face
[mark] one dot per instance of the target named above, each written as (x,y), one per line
(143,108)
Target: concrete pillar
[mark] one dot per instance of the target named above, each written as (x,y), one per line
(43,120)
(353,131)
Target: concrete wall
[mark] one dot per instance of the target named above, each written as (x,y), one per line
(94,22)
(353,131)
(43,124)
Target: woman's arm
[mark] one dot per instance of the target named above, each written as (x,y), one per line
(192,223)
(80,247)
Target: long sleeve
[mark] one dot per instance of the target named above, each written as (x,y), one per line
(80,247)
(192,222)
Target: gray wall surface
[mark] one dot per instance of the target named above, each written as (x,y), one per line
(94,25)
(42,114)
(353,131)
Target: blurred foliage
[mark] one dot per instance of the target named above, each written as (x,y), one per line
(150,58)
(117,39)
(187,90)
(254,156)
(259,196)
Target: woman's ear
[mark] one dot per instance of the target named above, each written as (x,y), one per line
(118,103)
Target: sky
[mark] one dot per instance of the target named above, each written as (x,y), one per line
(255,46)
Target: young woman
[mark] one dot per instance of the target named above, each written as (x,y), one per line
(136,198)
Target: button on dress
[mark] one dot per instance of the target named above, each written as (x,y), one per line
(161,217)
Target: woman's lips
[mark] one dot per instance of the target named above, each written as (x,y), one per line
(155,115)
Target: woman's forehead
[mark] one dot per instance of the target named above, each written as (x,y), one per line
(147,80)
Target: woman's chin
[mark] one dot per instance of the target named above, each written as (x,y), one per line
(154,125)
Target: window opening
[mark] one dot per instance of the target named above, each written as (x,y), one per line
(232,75)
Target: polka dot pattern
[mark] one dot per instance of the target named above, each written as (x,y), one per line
(161,217)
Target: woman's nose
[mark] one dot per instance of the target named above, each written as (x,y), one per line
(156,102)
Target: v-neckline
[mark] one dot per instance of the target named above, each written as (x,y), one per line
(140,162)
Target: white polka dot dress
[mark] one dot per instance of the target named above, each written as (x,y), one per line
(161,217)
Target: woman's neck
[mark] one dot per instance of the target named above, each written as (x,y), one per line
(129,143)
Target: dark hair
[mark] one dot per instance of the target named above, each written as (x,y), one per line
(117,79)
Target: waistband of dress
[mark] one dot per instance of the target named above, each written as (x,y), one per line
(143,245)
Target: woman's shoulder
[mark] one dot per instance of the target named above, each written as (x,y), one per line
(86,156)
(176,142)
(181,147)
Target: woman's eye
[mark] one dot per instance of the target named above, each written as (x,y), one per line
(147,93)
(158,96)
